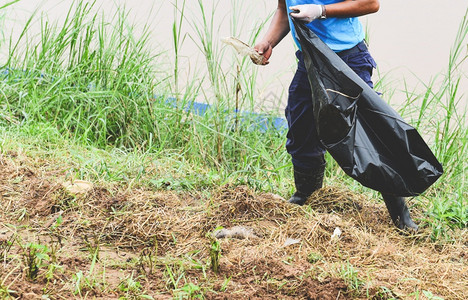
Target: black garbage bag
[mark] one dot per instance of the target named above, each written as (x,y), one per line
(369,140)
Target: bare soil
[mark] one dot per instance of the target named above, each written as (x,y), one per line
(118,242)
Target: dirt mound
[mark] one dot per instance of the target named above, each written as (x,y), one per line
(332,199)
(113,241)
(266,277)
(240,204)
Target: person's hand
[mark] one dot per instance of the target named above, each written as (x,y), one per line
(264,49)
(306,12)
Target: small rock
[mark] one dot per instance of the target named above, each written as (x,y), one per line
(78,186)
(275,197)
(238,232)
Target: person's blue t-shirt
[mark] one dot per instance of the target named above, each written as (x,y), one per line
(338,33)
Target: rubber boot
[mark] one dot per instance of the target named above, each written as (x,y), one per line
(399,212)
(306,182)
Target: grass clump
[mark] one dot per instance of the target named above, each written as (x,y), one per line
(88,76)
(440,113)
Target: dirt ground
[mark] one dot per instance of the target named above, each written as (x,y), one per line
(111,242)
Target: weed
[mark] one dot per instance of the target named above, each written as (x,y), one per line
(189,291)
(82,283)
(93,247)
(350,275)
(8,4)
(215,254)
(178,40)
(130,285)
(225,284)
(35,257)
(53,265)
(5,246)
(132,289)
(423,294)
(314,257)
(174,274)
(86,282)
(148,258)
(5,290)
(385,293)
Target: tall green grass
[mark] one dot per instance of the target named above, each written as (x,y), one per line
(222,139)
(88,76)
(440,113)
(98,84)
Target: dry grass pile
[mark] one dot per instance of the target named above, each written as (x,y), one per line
(338,246)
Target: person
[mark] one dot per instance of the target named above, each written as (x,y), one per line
(335,22)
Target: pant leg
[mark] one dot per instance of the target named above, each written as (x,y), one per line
(302,142)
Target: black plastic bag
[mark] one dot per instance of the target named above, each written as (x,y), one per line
(369,140)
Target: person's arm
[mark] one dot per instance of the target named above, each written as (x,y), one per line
(344,9)
(352,8)
(278,29)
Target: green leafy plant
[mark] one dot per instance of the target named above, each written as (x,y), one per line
(424,294)
(314,257)
(189,291)
(148,258)
(174,273)
(6,283)
(350,276)
(132,289)
(82,283)
(215,254)
(35,257)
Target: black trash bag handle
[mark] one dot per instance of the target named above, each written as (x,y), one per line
(350,109)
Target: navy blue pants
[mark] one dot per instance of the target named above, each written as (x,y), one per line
(303,143)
